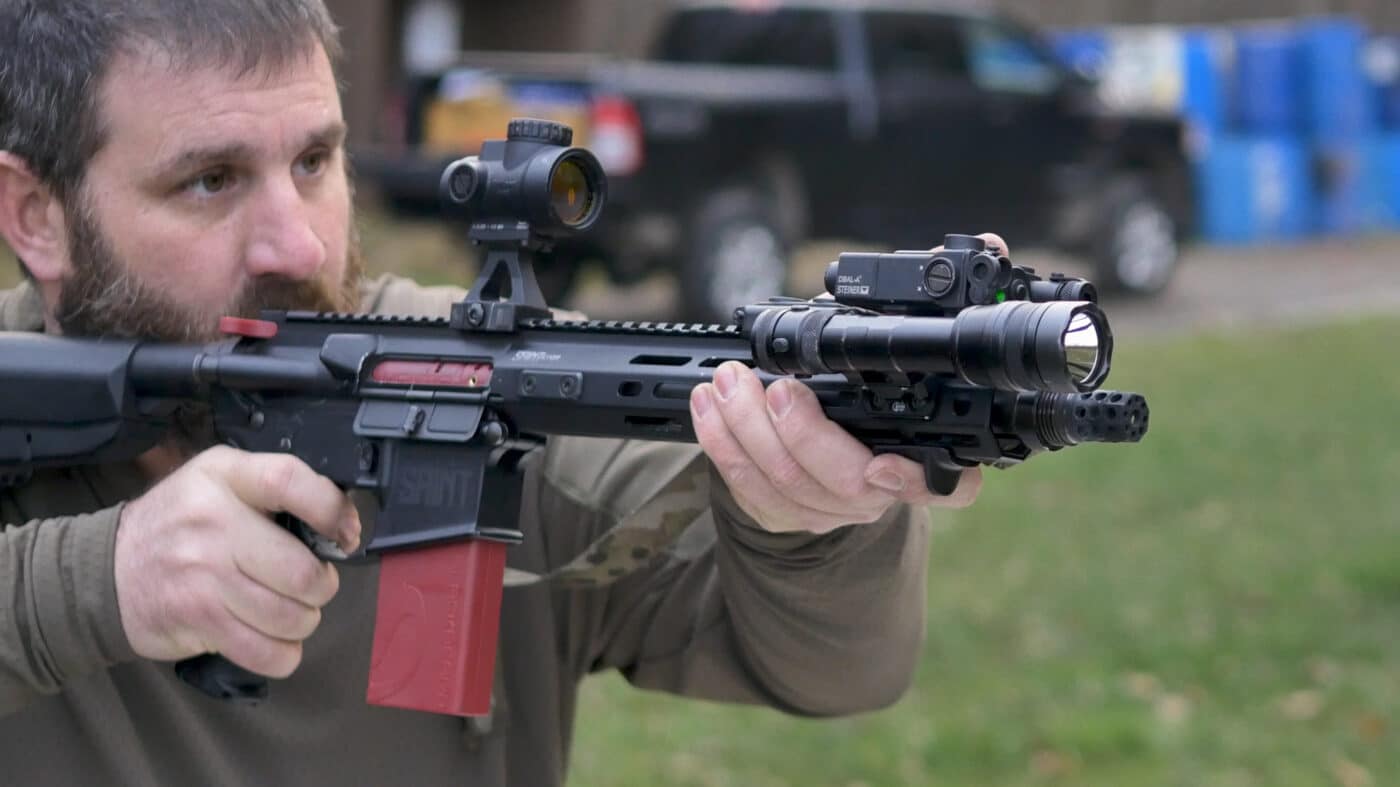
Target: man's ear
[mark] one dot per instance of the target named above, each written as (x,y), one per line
(32,220)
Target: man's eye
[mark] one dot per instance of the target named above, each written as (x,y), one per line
(211,182)
(313,163)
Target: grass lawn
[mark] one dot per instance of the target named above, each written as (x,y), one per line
(1218,605)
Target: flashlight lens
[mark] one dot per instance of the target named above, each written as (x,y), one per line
(570,193)
(1081,340)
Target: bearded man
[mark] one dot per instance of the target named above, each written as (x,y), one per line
(167,162)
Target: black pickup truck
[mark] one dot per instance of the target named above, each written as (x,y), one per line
(755,126)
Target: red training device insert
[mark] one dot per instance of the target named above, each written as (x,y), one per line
(436,628)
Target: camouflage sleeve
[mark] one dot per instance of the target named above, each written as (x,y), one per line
(812,625)
(59,617)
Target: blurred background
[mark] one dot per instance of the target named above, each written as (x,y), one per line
(1218,605)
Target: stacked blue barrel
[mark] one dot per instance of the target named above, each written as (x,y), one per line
(1381,153)
(1296,122)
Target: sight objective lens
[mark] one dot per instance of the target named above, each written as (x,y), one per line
(571,195)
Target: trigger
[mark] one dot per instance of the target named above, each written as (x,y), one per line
(322,547)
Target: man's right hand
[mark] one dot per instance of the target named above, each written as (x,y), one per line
(201,567)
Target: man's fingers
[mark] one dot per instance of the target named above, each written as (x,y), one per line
(995,243)
(273,483)
(910,475)
(748,414)
(834,458)
(254,651)
(271,613)
(275,559)
(748,484)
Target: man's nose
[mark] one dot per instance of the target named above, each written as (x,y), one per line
(282,241)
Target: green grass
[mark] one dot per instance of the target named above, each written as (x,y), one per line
(1218,605)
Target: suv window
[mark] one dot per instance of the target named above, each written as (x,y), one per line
(920,45)
(782,37)
(1003,60)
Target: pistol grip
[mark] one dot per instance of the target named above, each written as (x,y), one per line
(222,679)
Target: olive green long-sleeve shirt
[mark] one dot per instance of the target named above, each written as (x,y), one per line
(811,625)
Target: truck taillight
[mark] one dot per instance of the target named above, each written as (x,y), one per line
(616,135)
(394,122)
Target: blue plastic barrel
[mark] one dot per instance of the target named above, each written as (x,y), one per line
(1254,189)
(1383,75)
(1265,83)
(1380,182)
(1204,55)
(1338,172)
(1203,103)
(1338,106)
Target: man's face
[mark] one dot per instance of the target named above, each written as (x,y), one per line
(216,193)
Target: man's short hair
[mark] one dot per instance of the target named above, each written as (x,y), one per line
(55,54)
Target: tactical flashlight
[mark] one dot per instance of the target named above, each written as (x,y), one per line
(1059,346)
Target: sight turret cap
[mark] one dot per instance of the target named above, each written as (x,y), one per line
(534,130)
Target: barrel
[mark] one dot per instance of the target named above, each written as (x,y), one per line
(1205,65)
(1382,66)
(1380,182)
(1339,184)
(1254,189)
(1266,79)
(1337,101)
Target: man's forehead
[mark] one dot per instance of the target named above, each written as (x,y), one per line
(163,100)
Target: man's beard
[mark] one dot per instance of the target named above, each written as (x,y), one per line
(103,297)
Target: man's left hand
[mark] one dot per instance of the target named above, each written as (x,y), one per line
(793,469)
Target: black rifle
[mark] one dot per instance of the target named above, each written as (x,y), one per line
(953,358)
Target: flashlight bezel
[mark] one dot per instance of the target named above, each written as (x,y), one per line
(1020,345)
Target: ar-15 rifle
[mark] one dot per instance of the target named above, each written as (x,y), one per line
(953,358)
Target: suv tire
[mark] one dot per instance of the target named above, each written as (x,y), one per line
(736,254)
(1139,243)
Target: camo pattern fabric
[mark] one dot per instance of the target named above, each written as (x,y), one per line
(636,539)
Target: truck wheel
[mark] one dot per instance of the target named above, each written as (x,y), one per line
(1139,250)
(737,255)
